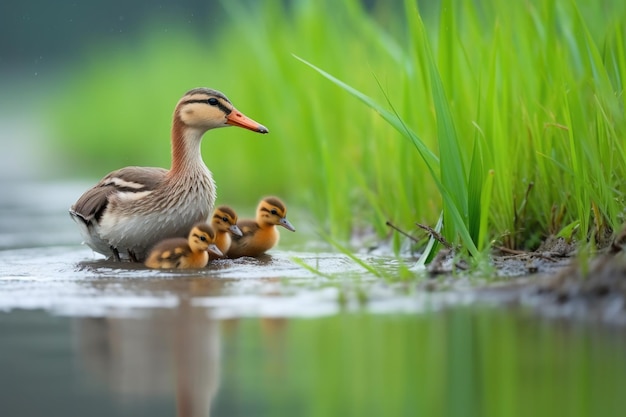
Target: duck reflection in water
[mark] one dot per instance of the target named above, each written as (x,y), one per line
(146,357)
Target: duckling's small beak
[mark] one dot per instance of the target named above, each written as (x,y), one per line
(235,230)
(214,250)
(285,223)
(236,118)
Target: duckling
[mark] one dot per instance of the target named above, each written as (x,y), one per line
(261,234)
(181,253)
(133,208)
(224,222)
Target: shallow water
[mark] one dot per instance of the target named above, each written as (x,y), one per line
(85,336)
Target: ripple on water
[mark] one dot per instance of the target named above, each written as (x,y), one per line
(41,267)
(72,280)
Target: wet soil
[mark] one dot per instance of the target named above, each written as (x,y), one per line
(555,281)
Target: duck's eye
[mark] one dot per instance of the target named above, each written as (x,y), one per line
(213,101)
(225,219)
(274,212)
(203,238)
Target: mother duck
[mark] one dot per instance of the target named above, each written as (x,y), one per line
(133,208)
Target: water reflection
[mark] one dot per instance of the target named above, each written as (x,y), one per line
(174,352)
(168,350)
(182,361)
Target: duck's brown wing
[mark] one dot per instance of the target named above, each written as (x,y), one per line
(248,229)
(168,253)
(94,201)
(239,244)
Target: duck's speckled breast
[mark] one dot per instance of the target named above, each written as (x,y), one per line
(137,223)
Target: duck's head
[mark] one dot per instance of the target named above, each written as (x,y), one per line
(202,238)
(272,210)
(204,109)
(225,220)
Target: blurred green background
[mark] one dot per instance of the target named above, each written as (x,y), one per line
(102,80)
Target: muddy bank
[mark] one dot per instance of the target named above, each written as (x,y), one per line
(554,280)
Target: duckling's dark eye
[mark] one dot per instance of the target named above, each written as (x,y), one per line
(225,219)
(203,238)
(274,212)
(213,101)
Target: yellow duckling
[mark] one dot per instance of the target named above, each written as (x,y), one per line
(185,253)
(224,222)
(261,234)
(132,209)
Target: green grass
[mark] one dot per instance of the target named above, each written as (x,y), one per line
(506,117)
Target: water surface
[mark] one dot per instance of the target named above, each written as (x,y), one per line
(267,337)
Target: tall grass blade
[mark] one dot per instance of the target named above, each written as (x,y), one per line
(429,157)
(457,217)
(451,162)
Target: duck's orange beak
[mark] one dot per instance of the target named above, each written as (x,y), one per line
(236,118)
